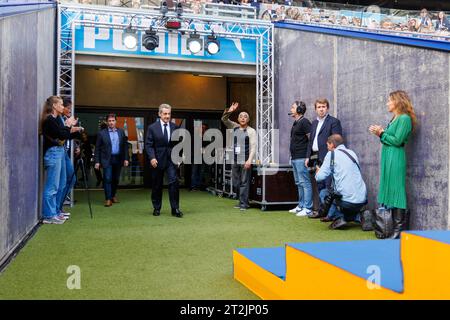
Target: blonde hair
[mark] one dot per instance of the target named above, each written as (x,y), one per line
(404,105)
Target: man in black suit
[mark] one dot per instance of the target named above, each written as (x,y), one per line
(111,152)
(324,126)
(159,148)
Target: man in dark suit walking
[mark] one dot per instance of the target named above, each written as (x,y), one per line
(159,149)
(324,126)
(111,152)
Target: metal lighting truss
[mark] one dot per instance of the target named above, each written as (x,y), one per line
(230,28)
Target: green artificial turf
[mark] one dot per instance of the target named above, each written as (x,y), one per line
(127,253)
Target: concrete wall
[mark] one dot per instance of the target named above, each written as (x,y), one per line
(357,76)
(26,80)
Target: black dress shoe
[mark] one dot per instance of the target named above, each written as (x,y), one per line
(177,213)
(156,212)
(338,224)
(316,215)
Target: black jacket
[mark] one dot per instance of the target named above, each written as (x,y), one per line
(156,146)
(103,147)
(329,127)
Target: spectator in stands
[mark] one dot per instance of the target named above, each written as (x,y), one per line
(136,4)
(392,191)
(344,21)
(307,15)
(281,13)
(442,23)
(356,22)
(256,4)
(348,194)
(387,24)
(196,7)
(295,12)
(425,25)
(412,25)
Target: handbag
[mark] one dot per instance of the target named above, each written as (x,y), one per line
(383,223)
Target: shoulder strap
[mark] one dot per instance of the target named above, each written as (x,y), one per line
(351,158)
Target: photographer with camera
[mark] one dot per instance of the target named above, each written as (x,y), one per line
(348,194)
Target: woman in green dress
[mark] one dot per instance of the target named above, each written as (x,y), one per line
(392,192)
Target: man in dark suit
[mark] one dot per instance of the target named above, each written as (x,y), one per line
(324,126)
(159,148)
(111,152)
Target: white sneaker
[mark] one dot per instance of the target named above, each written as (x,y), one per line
(53,220)
(295,210)
(303,213)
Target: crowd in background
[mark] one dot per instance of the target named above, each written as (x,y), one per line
(372,18)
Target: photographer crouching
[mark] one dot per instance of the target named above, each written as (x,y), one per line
(347,195)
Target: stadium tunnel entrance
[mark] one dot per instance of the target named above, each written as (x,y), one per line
(133,89)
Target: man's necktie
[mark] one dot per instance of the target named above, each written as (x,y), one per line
(166,135)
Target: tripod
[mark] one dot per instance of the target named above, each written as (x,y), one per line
(80,163)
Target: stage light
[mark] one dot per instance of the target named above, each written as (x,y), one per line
(129,38)
(173,24)
(150,40)
(194,43)
(212,45)
(163,8)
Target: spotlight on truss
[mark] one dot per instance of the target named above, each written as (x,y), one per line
(194,43)
(212,45)
(150,40)
(130,38)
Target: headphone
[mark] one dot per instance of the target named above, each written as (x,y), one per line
(301,107)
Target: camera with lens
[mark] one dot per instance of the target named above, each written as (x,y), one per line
(314,162)
(327,202)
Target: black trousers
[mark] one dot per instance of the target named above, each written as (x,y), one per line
(157,186)
(241,183)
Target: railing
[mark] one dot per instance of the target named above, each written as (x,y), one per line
(371,18)
(228,10)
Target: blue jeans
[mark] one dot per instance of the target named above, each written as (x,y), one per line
(68,179)
(303,182)
(111,177)
(53,164)
(334,213)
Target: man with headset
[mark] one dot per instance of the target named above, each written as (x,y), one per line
(300,132)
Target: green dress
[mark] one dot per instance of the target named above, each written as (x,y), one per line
(392,191)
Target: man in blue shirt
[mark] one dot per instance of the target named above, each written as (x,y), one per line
(111,152)
(342,164)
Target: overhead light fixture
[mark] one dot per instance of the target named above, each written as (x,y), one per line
(163,8)
(129,38)
(212,45)
(150,40)
(194,43)
(111,70)
(209,75)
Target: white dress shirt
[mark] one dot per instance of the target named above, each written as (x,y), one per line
(162,128)
(315,146)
